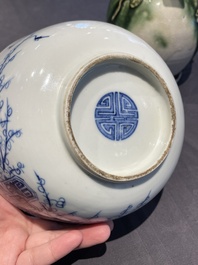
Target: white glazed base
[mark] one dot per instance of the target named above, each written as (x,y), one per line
(130,133)
(55,82)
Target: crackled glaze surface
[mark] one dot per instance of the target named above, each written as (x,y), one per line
(169,26)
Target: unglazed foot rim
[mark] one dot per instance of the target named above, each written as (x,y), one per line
(74,146)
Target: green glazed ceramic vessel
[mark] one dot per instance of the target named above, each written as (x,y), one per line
(169,26)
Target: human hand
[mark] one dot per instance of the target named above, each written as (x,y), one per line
(33,241)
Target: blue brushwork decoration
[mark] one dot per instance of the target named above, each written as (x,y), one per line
(116,116)
(11,176)
(48,202)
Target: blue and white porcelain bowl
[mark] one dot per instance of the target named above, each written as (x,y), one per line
(91,122)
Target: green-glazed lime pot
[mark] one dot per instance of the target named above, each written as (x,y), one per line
(169,26)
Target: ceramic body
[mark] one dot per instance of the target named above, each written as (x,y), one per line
(170,27)
(59,156)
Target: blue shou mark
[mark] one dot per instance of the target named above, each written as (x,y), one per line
(116,116)
(60,203)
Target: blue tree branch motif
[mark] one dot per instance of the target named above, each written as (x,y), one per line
(145,201)
(5,83)
(9,174)
(7,136)
(125,211)
(48,202)
(7,133)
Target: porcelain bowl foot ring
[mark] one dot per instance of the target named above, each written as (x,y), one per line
(119,118)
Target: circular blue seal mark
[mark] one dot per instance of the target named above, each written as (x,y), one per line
(116,116)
